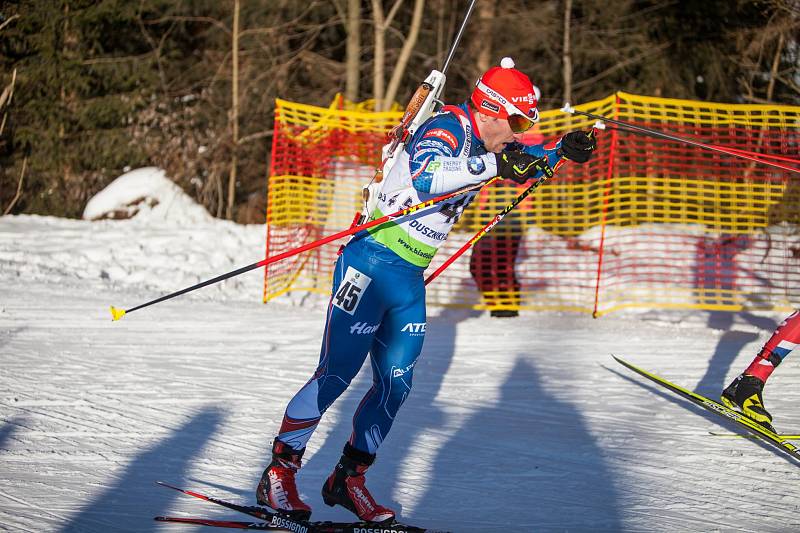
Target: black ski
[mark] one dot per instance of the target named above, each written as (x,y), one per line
(275,521)
(717,408)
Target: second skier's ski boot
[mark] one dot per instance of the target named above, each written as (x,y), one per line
(277,488)
(345,487)
(744,395)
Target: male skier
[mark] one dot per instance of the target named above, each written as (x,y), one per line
(377,305)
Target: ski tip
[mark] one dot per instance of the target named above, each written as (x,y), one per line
(116,314)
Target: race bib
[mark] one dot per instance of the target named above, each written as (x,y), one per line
(353,286)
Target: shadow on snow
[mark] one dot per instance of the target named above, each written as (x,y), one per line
(503,468)
(131,503)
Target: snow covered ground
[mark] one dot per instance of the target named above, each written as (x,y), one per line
(522,424)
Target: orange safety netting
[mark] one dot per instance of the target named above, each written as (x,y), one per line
(647,223)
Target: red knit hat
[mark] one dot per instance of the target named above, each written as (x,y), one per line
(504,91)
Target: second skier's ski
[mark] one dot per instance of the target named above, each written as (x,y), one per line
(717,408)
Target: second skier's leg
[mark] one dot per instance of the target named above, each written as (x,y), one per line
(745,392)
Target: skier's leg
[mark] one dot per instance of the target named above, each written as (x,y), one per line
(351,323)
(395,350)
(782,341)
(745,392)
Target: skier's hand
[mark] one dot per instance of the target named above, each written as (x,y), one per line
(519,166)
(578,146)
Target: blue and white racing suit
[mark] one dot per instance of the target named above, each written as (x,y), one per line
(377,305)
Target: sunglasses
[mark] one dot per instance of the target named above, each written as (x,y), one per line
(522,123)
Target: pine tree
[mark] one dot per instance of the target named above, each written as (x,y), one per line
(82,70)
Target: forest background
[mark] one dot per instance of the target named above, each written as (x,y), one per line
(90,89)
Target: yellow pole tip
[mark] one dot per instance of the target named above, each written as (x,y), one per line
(116,314)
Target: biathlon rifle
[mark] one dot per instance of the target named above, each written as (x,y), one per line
(423,104)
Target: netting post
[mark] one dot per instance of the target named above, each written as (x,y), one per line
(612,151)
(275,125)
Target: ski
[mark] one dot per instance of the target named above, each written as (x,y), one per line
(281,524)
(275,521)
(234,524)
(784,436)
(745,422)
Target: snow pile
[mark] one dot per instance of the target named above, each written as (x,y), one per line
(168,243)
(145,194)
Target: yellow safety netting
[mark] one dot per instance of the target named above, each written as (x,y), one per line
(647,223)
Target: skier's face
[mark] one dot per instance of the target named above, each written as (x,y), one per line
(495,133)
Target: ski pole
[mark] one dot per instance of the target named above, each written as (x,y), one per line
(116,313)
(669,136)
(501,215)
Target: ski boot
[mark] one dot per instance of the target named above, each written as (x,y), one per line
(744,395)
(345,487)
(277,488)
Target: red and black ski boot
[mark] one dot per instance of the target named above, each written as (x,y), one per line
(744,394)
(346,487)
(277,488)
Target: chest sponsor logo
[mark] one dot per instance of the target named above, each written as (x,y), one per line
(433,166)
(444,135)
(475,165)
(468,140)
(435,146)
(427,231)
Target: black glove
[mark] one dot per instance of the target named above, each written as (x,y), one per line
(521,167)
(578,146)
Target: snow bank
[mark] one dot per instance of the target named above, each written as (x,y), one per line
(145,194)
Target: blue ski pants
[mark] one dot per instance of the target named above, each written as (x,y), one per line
(377,307)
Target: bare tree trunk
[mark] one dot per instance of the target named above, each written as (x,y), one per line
(380,50)
(774,71)
(353,50)
(19,187)
(405,54)
(440,12)
(5,99)
(381,24)
(567,52)
(486,10)
(234,113)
